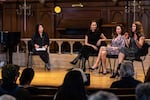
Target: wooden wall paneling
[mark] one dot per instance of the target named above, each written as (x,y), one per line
(117,16)
(104,14)
(79,17)
(45,19)
(70,17)
(31,23)
(7,21)
(1,17)
(14,21)
(146,23)
(44,16)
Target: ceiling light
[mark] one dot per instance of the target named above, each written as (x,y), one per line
(78,5)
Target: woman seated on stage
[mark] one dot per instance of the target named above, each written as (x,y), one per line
(135,43)
(40,39)
(127,77)
(93,41)
(117,42)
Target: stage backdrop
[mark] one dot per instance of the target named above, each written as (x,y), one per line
(71,22)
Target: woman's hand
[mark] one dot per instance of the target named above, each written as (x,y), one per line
(115,48)
(135,37)
(95,48)
(36,46)
(45,46)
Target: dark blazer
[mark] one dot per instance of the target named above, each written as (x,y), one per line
(125,82)
(41,41)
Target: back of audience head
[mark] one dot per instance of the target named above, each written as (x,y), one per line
(102,95)
(82,73)
(73,87)
(126,69)
(7,97)
(143,91)
(10,73)
(26,76)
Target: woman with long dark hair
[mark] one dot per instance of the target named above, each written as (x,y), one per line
(40,39)
(135,43)
(117,43)
(72,87)
(93,40)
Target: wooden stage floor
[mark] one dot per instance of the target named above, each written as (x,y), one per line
(55,78)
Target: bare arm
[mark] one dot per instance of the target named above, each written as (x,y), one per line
(140,42)
(127,42)
(103,38)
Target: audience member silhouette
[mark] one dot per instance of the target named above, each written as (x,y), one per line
(102,95)
(72,87)
(26,79)
(143,91)
(10,73)
(127,77)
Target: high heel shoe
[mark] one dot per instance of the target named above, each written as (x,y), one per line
(117,73)
(114,75)
(93,68)
(47,66)
(75,60)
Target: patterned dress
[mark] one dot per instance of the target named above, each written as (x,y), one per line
(116,44)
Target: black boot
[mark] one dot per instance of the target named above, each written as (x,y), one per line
(76,59)
(117,72)
(47,66)
(115,75)
(83,64)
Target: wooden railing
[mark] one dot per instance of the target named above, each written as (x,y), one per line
(61,41)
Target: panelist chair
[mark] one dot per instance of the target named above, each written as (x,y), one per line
(30,54)
(115,57)
(80,61)
(141,56)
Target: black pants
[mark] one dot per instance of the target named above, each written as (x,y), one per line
(86,51)
(43,55)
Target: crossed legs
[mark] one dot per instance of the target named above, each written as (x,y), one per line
(101,56)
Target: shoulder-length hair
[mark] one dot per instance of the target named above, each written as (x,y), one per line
(139,28)
(37,28)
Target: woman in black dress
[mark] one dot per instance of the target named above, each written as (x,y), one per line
(135,43)
(93,40)
(40,39)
